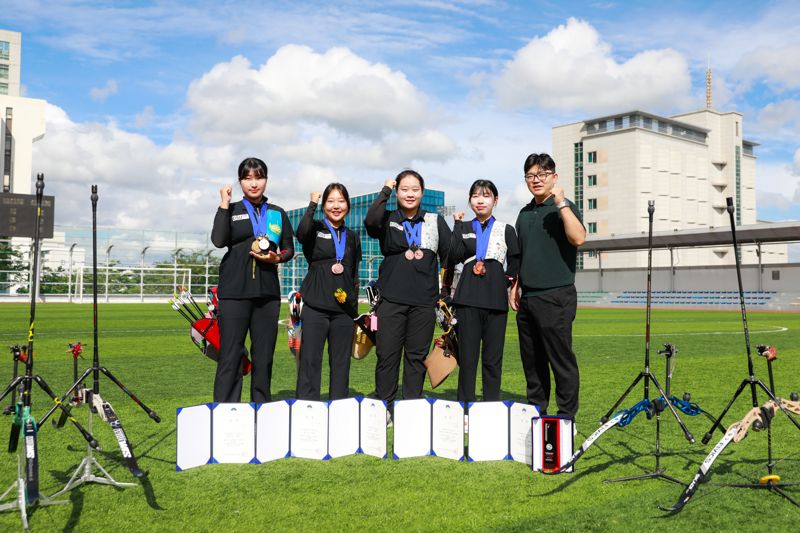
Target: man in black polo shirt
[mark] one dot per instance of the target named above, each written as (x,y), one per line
(550,230)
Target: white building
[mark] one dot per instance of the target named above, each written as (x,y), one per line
(688,164)
(10,54)
(22,120)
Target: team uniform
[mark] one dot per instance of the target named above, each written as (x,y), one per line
(249,296)
(322,316)
(481,301)
(547,306)
(409,286)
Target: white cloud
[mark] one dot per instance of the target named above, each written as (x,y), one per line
(779,120)
(324,109)
(796,168)
(145,118)
(777,66)
(101,94)
(573,69)
(141,184)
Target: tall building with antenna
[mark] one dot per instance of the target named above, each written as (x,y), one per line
(687,163)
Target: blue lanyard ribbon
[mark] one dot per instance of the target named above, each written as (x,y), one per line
(413,234)
(259,221)
(338,241)
(482,238)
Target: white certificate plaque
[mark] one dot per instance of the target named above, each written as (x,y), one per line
(520,432)
(309,428)
(193,436)
(412,428)
(233,426)
(448,429)
(343,427)
(372,431)
(488,431)
(272,431)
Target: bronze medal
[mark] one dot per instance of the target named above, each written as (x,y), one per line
(418,254)
(409,254)
(479,269)
(337,268)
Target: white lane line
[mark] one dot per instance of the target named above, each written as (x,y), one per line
(778,329)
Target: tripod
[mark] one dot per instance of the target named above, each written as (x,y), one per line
(95,401)
(27,484)
(648,376)
(751,380)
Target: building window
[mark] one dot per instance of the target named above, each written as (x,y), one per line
(3,88)
(592,203)
(578,168)
(592,157)
(738,186)
(591,253)
(592,180)
(3,72)
(4,49)
(592,227)
(737,128)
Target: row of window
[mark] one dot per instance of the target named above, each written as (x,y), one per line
(5,49)
(3,88)
(649,123)
(3,72)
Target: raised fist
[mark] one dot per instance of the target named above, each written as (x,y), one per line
(558,194)
(315,196)
(225,195)
(389,183)
(458,216)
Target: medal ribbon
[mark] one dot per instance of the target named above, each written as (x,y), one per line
(259,221)
(413,234)
(338,242)
(482,238)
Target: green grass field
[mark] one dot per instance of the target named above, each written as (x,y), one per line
(148,348)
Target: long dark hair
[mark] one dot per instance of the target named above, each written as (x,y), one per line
(254,164)
(336,187)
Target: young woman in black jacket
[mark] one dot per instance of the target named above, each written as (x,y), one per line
(481,298)
(258,236)
(411,239)
(333,252)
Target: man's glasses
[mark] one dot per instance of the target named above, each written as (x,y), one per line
(541,176)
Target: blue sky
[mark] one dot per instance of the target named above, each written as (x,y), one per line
(160,100)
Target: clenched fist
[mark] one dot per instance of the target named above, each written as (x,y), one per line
(225,195)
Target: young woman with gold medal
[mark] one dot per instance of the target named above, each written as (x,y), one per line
(258,236)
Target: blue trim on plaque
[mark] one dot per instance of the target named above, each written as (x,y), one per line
(385,456)
(254,461)
(359,399)
(470,459)
(507,458)
(253,405)
(288,455)
(470,404)
(433,453)
(327,457)
(508,403)
(431,400)
(359,450)
(290,401)
(177,468)
(178,411)
(212,461)
(213,405)
(394,456)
